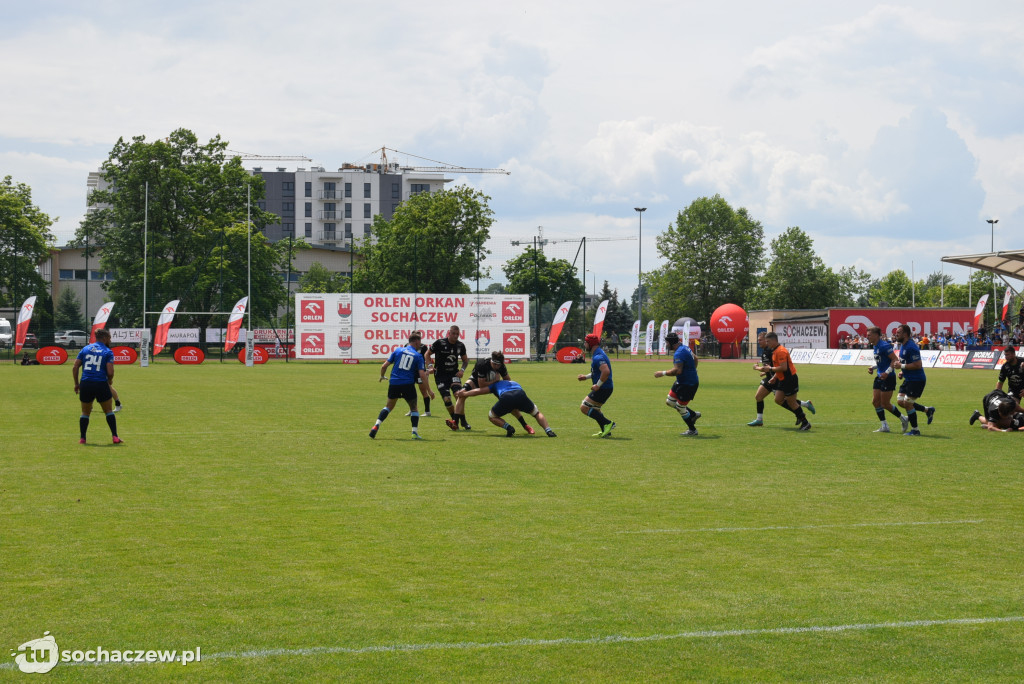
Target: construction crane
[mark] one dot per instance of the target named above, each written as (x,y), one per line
(443,167)
(269,157)
(541,240)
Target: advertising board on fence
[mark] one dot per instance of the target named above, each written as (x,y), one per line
(349,326)
(855,322)
(811,335)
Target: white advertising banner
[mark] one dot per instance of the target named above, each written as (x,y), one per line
(929,357)
(801,355)
(866,358)
(813,335)
(126,335)
(182,335)
(353,326)
(846,357)
(823,356)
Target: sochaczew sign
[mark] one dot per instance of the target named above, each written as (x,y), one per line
(352,326)
(844,323)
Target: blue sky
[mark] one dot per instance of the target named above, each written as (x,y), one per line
(887,132)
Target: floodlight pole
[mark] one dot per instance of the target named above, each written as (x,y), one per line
(249,342)
(995,304)
(639,264)
(145,253)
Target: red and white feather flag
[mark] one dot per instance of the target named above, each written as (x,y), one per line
(101,320)
(235,323)
(556,325)
(21,324)
(163,326)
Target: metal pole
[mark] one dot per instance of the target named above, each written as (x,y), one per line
(995,304)
(145,253)
(288,301)
(87,275)
(248,249)
(639,268)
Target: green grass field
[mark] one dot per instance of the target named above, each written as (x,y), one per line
(249,514)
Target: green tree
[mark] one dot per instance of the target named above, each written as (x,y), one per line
(796,277)
(712,256)
(319,279)
(495,288)
(433,243)
(67,313)
(197,231)
(894,290)
(25,240)
(854,285)
(618,318)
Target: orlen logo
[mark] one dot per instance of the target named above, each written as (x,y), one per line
(568,354)
(515,343)
(311,310)
(259,355)
(725,324)
(313,343)
(124,356)
(51,356)
(189,356)
(851,325)
(512,312)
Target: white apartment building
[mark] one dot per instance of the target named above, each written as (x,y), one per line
(336,208)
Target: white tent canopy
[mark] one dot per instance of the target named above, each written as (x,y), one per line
(1004,264)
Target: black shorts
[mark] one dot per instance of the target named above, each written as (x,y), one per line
(94,390)
(684,393)
(601,395)
(510,401)
(886,385)
(446,384)
(407,392)
(788,386)
(768,382)
(912,388)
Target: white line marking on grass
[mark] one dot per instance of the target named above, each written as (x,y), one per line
(568,641)
(802,527)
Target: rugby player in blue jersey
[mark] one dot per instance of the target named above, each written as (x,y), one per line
(601,385)
(409,371)
(885,379)
(96,364)
(913,380)
(511,397)
(685,387)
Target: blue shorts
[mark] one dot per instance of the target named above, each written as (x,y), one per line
(912,388)
(601,395)
(887,385)
(684,393)
(94,390)
(511,401)
(407,392)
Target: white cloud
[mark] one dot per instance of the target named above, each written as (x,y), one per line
(824,116)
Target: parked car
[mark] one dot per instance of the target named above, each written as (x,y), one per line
(71,338)
(31,340)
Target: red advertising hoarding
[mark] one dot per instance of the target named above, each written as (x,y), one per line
(843,323)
